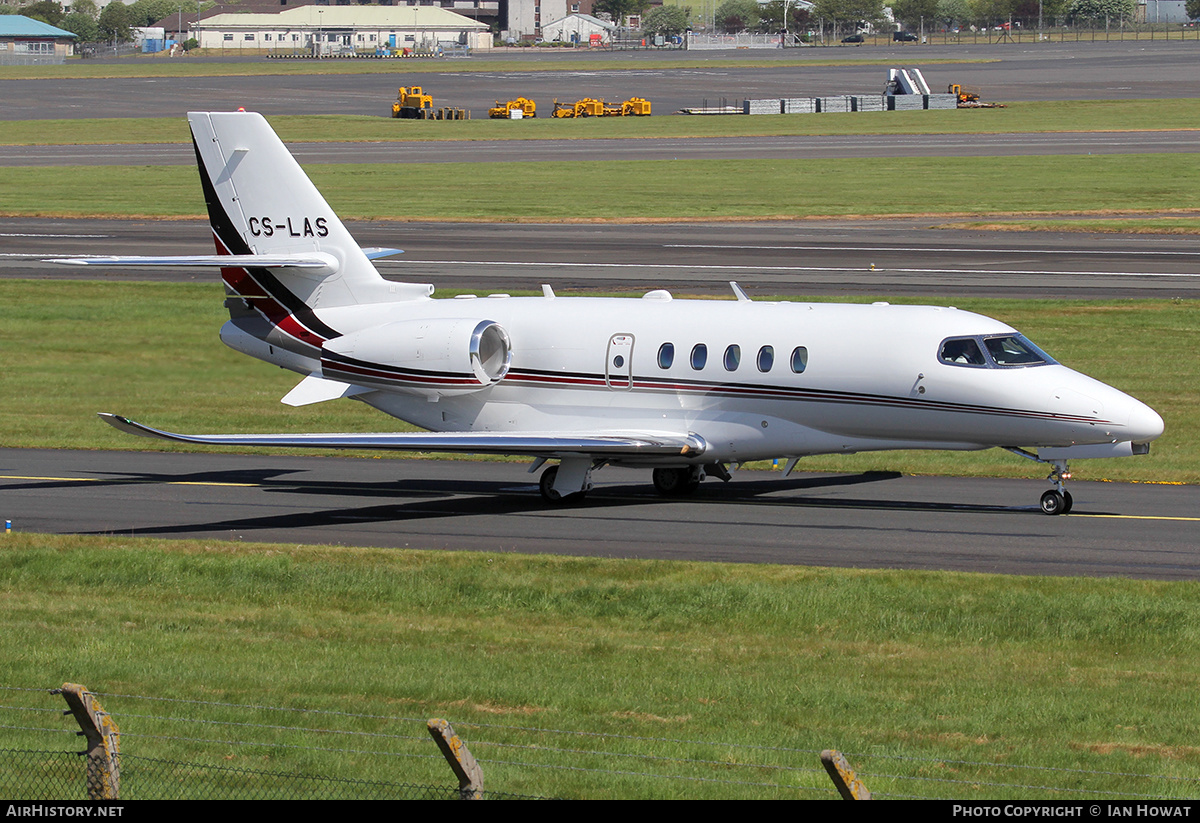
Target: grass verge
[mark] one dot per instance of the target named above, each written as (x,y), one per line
(1064,116)
(651,190)
(150,351)
(729,678)
(156,66)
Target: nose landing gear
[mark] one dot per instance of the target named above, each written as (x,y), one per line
(1058,500)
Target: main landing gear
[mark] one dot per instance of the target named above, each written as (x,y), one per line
(680,482)
(552,495)
(1058,500)
(673,482)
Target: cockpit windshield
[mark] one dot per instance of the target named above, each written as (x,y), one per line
(999,351)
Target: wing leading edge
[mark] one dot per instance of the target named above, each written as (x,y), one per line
(613,444)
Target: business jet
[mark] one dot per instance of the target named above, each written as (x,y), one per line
(686,388)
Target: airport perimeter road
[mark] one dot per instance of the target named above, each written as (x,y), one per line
(860,521)
(669,148)
(1006,72)
(814,257)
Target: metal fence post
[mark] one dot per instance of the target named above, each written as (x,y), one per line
(103,741)
(466,769)
(847,782)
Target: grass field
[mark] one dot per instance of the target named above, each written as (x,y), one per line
(1026,117)
(651,190)
(590,678)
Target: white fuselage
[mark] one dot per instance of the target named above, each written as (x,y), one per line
(871,379)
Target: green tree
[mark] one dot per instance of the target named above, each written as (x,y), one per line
(954,13)
(771,16)
(1096,9)
(618,10)
(733,16)
(850,11)
(666,20)
(79,23)
(48,11)
(1193,9)
(114,22)
(913,12)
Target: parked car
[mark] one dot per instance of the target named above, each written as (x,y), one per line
(854,38)
(904,37)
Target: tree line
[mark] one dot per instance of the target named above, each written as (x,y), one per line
(112,23)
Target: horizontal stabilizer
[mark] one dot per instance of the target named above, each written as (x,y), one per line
(625,444)
(320,261)
(374,253)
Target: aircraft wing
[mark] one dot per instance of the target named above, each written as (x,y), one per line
(598,444)
(310,260)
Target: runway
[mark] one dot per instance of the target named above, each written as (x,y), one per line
(814,257)
(880,520)
(1127,70)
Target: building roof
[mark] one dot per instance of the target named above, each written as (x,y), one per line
(587,18)
(15,25)
(348,17)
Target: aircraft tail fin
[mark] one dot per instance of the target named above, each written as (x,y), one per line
(261,203)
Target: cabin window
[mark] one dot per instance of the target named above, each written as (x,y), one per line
(962,351)
(699,356)
(766,358)
(733,358)
(666,355)
(1015,350)
(799,359)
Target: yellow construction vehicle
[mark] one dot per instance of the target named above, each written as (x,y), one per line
(587,107)
(412,103)
(591,107)
(503,111)
(636,107)
(968,97)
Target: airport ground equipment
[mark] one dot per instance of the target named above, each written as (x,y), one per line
(591,107)
(504,111)
(412,103)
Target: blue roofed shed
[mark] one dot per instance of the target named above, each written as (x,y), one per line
(24,40)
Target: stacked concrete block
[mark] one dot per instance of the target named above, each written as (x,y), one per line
(800,105)
(843,103)
(905,102)
(870,102)
(941,101)
(761,106)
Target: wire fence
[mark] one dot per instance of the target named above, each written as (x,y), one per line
(175,748)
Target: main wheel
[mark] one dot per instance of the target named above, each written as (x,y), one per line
(1053,502)
(675,482)
(1067,502)
(546,487)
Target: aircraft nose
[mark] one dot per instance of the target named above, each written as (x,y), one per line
(1145,424)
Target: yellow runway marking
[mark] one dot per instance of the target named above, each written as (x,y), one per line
(1137,517)
(126,480)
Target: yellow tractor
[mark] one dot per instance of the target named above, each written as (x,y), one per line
(504,111)
(412,103)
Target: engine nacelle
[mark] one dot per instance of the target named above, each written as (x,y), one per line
(430,357)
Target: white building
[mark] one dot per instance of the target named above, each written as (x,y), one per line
(335,29)
(578,28)
(525,17)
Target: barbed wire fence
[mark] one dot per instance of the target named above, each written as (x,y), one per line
(178,748)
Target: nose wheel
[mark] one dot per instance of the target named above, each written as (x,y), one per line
(1057,500)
